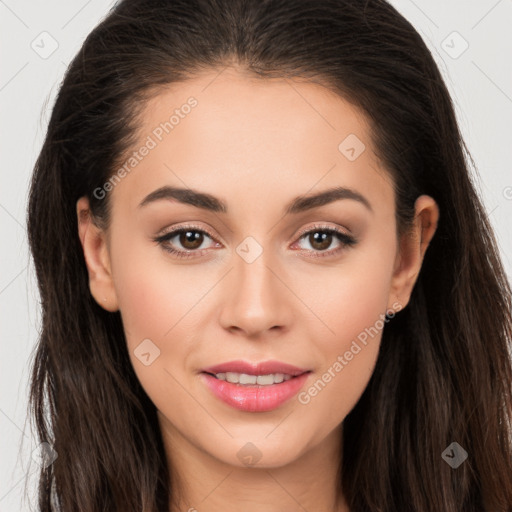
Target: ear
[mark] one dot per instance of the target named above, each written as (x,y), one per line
(412,248)
(97,258)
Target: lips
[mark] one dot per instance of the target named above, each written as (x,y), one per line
(281,381)
(263,368)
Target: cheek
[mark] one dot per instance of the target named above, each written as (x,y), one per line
(162,302)
(352,303)
(155,302)
(153,293)
(351,295)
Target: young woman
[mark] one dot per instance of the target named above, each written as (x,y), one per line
(267,281)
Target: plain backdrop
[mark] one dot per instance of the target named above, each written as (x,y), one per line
(470,40)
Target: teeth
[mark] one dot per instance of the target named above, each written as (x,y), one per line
(245,379)
(265,380)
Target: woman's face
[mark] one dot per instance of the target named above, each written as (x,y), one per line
(261,275)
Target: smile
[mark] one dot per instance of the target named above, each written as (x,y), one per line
(245,379)
(254,387)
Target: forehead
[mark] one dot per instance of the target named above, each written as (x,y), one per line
(237,136)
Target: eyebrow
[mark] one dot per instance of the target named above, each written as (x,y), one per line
(211,203)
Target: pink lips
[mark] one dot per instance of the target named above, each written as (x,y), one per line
(264,368)
(255,398)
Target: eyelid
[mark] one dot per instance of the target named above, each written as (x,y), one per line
(346,240)
(302,232)
(189,226)
(322,226)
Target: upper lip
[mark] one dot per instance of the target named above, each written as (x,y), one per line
(263,368)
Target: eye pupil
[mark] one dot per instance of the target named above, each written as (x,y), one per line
(195,238)
(321,237)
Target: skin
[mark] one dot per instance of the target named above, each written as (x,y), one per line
(256,145)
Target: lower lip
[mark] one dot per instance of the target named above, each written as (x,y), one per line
(254,398)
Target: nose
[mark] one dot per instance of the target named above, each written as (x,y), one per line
(258,298)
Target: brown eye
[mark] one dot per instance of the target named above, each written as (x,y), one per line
(320,240)
(191,239)
(184,242)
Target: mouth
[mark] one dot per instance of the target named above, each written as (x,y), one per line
(245,371)
(245,379)
(254,387)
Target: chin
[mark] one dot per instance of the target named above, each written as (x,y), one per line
(260,453)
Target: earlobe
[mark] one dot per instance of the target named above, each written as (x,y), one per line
(412,249)
(97,257)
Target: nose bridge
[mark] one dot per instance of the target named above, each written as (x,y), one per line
(256,299)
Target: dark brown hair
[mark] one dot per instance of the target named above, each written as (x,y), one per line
(444,370)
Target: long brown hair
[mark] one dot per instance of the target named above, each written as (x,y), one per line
(444,371)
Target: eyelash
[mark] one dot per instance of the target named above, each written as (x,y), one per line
(346,241)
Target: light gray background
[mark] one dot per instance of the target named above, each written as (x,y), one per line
(479,79)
